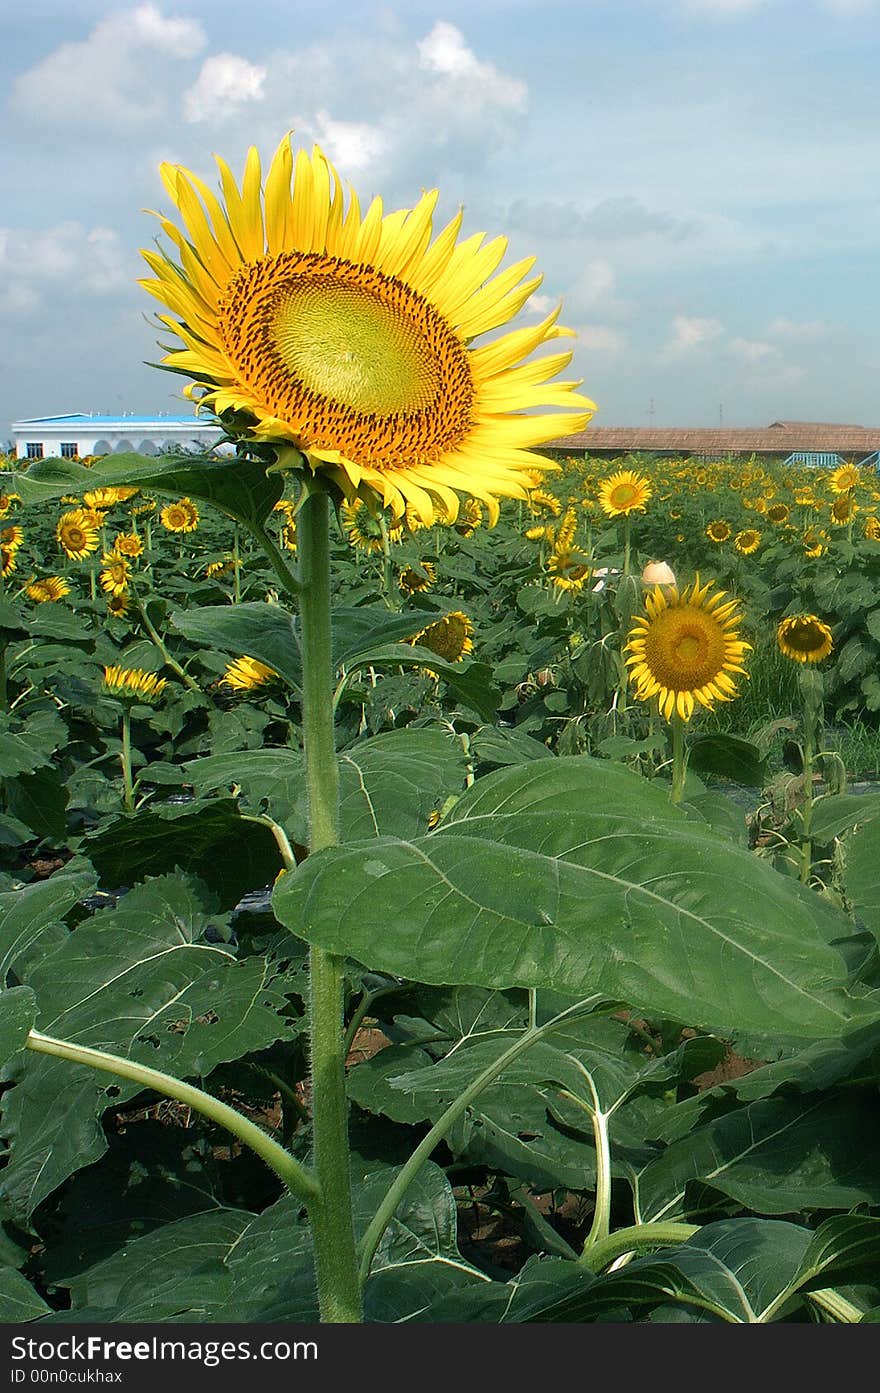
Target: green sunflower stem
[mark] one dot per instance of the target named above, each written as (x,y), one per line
(811,691)
(125,760)
(236,565)
(626,545)
(288,580)
(336,1266)
(679,759)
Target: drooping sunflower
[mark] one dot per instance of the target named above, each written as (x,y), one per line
(845,478)
(778,513)
(129,544)
(815,542)
(843,509)
(48,590)
(747,541)
(872,529)
(215,569)
(288,536)
(804,638)
(243,674)
(180,516)
(413,580)
(78,534)
(544,501)
(351,336)
(118,605)
(450,637)
(142,509)
(568,569)
(470,517)
(686,648)
(7,559)
(623,493)
(719,531)
(12,536)
(114,574)
(364,528)
(133,684)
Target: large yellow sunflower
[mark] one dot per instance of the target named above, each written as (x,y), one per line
(351,335)
(686,648)
(804,638)
(77,533)
(624,492)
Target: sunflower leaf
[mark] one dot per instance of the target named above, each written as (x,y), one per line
(574,874)
(239,487)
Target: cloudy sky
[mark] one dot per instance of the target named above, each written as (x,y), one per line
(699,179)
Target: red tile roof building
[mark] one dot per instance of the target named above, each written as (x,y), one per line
(781,438)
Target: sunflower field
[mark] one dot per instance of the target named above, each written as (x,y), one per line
(439,882)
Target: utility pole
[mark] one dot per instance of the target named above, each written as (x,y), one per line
(720,415)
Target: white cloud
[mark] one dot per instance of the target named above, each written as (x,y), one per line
(122,67)
(444,51)
(352,145)
(782,328)
(721,9)
(690,331)
(224,83)
(752,350)
(601,338)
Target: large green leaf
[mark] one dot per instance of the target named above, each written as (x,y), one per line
(388,785)
(862,874)
(18,1007)
(144,981)
(35,911)
(18,1300)
(776,1156)
(208,839)
(576,874)
(239,487)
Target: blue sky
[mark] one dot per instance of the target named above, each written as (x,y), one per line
(699,179)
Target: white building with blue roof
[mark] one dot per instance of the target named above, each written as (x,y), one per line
(85,433)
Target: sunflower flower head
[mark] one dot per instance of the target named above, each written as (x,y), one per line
(78,533)
(778,513)
(243,674)
(450,637)
(180,516)
(133,684)
(353,337)
(844,479)
(719,531)
(413,580)
(366,528)
(804,638)
(129,545)
(843,509)
(7,559)
(114,573)
(872,529)
(48,590)
(686,649)
(623,493)
(568,569)
(747,541)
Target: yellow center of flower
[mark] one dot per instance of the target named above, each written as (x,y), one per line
(353,358)
(622,495)
(685,648)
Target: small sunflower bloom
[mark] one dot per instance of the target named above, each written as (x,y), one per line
(129,545)
(747,541)
(414,580)
(843,509)
(133,684)
(7,559)
(805,638)
(180,516)
(367,530)
(778,513)
(78,533)
(115,574)
(243,674)
(872,529)
(719,531)
(844,479)
(686,650)
(623,493)
(48,590)
(450,637)
(119,605)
